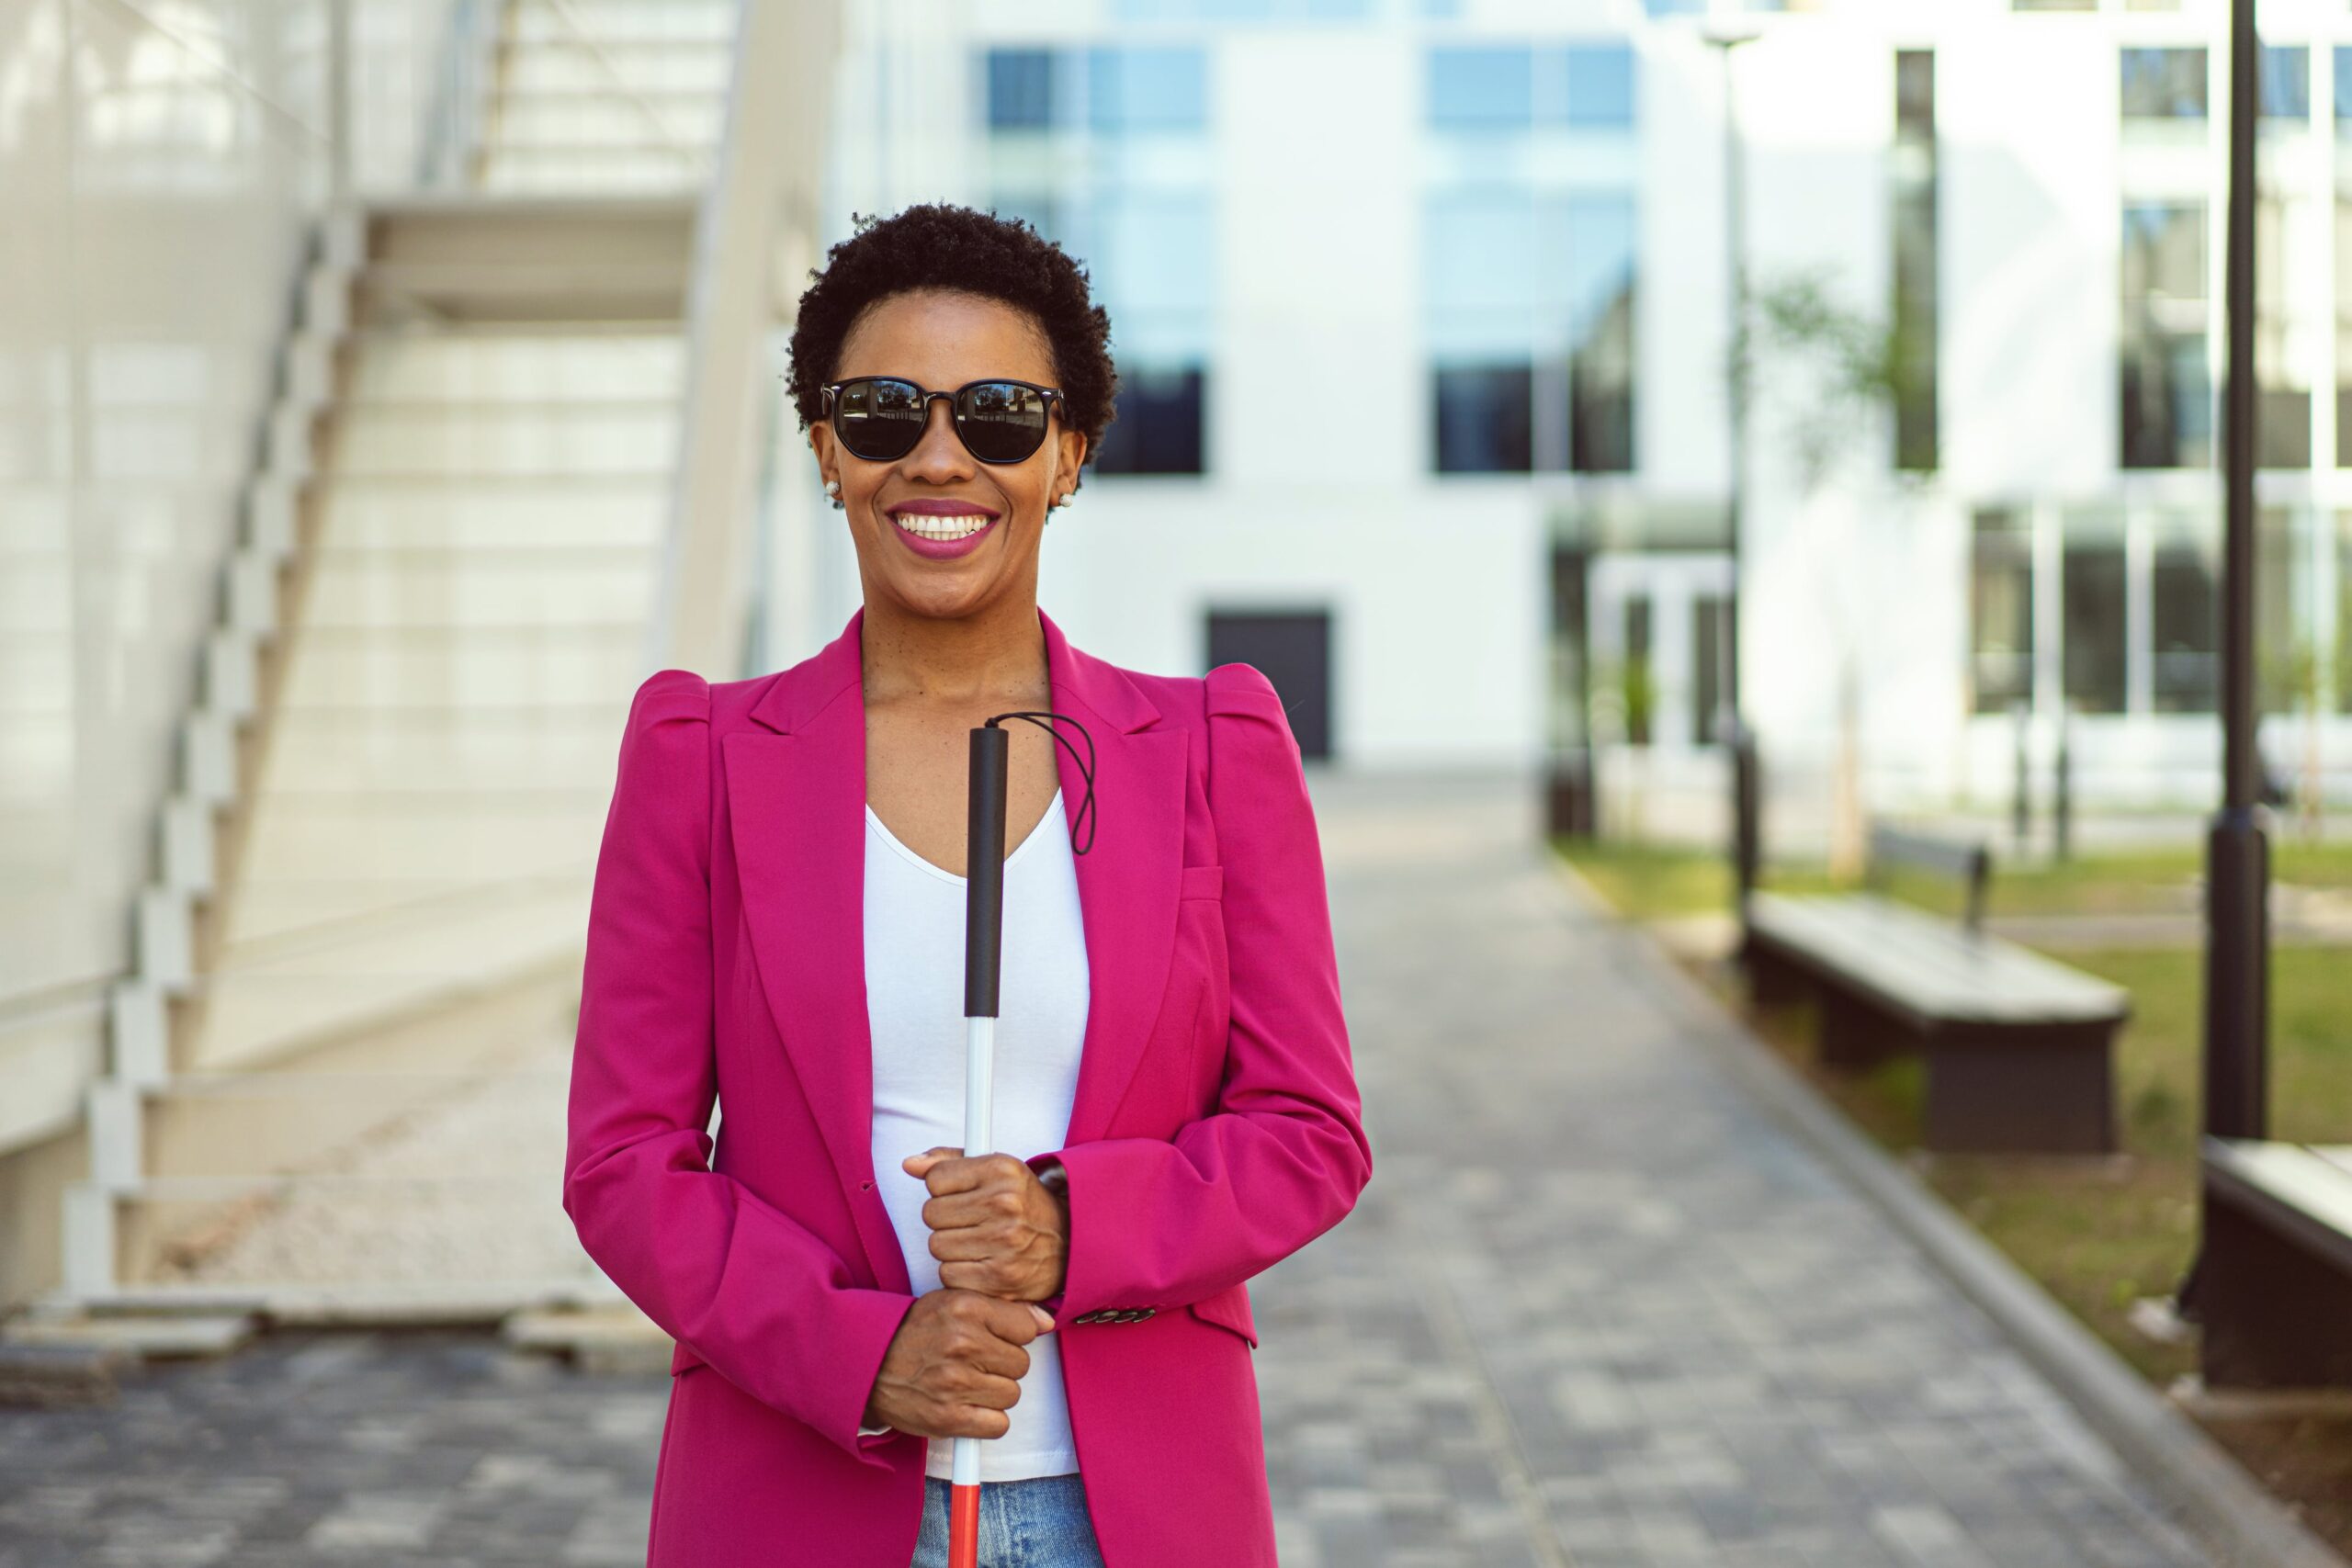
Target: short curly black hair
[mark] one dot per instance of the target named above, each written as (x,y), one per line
(940,246)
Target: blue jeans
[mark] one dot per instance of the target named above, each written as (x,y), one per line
(1038,1523)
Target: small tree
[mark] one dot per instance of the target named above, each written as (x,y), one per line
(1851,371)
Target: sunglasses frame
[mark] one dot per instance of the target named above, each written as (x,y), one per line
(1053,396)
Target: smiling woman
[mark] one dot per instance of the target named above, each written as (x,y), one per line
(776,930)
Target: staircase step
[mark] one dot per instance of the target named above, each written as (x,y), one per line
(673,21)
(622,438)
(167,1335)
(541,368)
(260,1011)
(581,118)
(340,750)
(512,511)
(608,65)
(485,257)
(570,168)
(420,1159)
(455,670)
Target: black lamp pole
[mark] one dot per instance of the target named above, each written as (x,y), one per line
(2237,853)
(2237,856)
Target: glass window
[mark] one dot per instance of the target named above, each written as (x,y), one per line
(2286,81)
(2283,428)
(1710,619)
(2092,615)
(1636,674)
(1482,418)
(1676,7)
(1479,264)
(2343,89)
(1020,89)
(2001,605)
(1482,89)
(2184,628)
(2164,84)
(1914,210)
(1599,82)
(2342,662)
(1159,422)
(2165,398)
(1147,89)
(1915,93)
(1600,272)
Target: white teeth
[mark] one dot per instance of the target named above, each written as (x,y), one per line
(937,527)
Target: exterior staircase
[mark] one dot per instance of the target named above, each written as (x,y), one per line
(337,1075)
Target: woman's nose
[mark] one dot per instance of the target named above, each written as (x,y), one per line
(940,453)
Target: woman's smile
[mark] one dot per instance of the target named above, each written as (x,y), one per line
(941,535)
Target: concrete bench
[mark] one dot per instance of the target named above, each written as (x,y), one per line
(2273,1293)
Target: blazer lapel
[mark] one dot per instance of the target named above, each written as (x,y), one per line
(796,813)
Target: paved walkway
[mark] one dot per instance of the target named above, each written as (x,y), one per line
(1594,1311)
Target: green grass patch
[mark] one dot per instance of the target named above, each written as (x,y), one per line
(1646,882)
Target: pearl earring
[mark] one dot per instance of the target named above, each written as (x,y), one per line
(834,489)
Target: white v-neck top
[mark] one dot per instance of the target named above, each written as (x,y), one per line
(915,989)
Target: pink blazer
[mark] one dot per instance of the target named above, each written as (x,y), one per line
(1216,1127)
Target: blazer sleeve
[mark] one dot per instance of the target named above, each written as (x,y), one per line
(747,1289)
(1157,1223)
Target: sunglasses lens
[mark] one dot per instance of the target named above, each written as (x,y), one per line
(1002,421)
(878,419)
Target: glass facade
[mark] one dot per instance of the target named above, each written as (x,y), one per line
(2164,84)
(2165,392)
(1914,316)
(1104,150)
(2001,609)
(1530,278)
(2095,633)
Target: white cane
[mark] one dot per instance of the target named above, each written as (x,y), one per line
(983,932)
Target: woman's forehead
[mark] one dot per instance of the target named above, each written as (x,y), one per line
(943,340)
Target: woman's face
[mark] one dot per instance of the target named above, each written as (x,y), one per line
(939,341)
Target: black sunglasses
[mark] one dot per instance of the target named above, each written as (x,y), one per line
(880,418)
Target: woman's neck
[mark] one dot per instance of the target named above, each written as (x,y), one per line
(996,655)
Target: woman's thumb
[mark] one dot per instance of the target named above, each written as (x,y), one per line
(1045,1319)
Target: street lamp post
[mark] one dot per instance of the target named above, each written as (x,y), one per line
(2237,855)
(1731,727)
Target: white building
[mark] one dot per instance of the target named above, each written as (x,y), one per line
(1427,305)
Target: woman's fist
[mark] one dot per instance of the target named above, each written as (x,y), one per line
(956,1365)
(995,1228)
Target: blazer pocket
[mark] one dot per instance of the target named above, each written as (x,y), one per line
(1201,881)
(1229,1310)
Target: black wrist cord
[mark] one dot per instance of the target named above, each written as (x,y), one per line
(1085,767)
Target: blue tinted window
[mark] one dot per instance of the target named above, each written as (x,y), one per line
(1147,89)
(2164,84)
(1600,85)
(1020,89)
(1676,7)
(2343,83)
(1479,263)
(1481,89)
(1484,418)
(1159,423)
(2286,82)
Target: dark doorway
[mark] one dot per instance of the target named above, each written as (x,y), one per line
(1293,649)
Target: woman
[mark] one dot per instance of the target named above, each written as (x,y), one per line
(778,924)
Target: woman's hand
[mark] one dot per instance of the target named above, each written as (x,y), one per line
(995,1228)
(956,1365)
